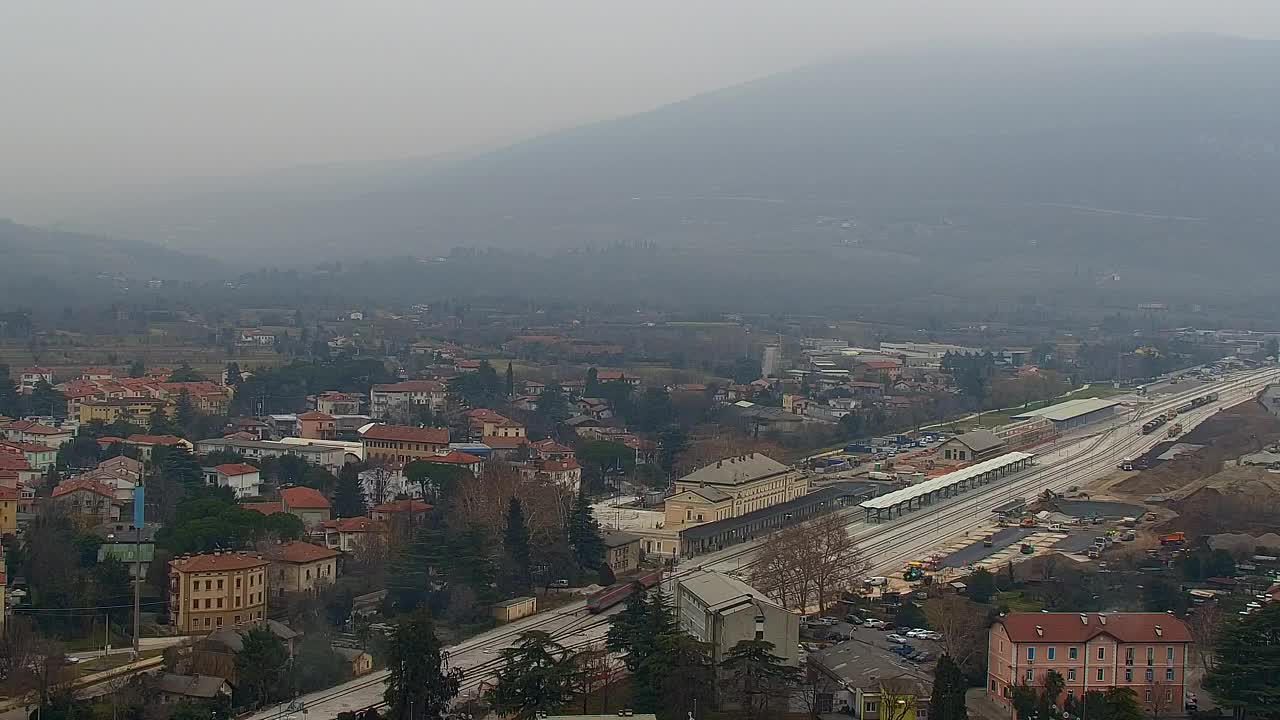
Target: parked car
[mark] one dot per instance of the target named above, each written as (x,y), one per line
(904,650)
(922,656)
(828,621)
(853,619)
(560,583)
(895,638)
(933,635)
(811,647)
(915,633)
(876,624)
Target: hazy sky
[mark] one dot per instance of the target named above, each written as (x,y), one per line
(103,93)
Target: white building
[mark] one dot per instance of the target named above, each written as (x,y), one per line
(771,361)
(722,611)
(243,479)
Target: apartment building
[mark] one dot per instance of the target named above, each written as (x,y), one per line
(1144,652)
(298,566)
(403,443)
(398,400)
(215,590)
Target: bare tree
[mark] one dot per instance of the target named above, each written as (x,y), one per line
(811,693)
(838,563)
(596,670)
(1162,700)
(1049,565)
(19,648)
(810,563)
(1205,625)
(377,483)
(960,623)
(898,697)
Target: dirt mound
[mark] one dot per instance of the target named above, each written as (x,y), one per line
(1238,499)
(1244,544)
(1235,431)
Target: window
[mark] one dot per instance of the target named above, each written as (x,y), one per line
(208,603)
(1071,674)
(1168,653)
(219,603)
(1168,696)
(237,619)
(993,686)
(195,604)
(208,584)
(1148,696)
(1073,653)
(238,598)
(1052,652)
(195,623)
(219,621)
(1031,653)
(1031,675)
(871,706)
(206,622)
(237,583)
(219,584)
(308,573)
(1128,674)
(1128,656)
(1101,674)
(1151,675)
(1168,674)
(1102,653)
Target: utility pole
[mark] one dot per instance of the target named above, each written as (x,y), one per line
(139,519)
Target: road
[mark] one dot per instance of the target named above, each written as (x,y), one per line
(1074,461)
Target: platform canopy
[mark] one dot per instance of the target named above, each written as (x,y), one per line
(928,487)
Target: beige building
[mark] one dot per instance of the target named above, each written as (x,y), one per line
(622,551)
(298,566)
(215,590)
(722,611)
(403,443)
(732,487)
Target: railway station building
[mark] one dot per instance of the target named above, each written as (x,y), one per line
(893,504)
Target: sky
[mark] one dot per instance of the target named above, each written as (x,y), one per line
(100,96)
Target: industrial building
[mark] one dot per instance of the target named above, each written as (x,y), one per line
(1073,413)
(972,446)
(722,611)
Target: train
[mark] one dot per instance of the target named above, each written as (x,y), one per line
(603,600)
(1197,402)
(1150,426)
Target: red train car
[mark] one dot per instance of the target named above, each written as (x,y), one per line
(614,594)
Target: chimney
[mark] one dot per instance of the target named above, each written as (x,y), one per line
(1040,630)
(1159,631)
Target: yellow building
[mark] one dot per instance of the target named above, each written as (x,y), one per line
(403,443)
(8,513)
(733,487)
(133,410)
(215,590)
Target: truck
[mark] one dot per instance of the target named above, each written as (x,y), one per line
(878,475)
(1175,538)
(1027,522)
(1175,430)
(859,449)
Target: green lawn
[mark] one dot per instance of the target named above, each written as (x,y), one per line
(1017,602)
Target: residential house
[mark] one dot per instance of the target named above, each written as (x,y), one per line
(386,481)
(618,376)
(215,590)
(4,589)
(216,653)
(403,443)
(330,457)
(97,373)
(39,457)
(257,336)
(857,679)
(243,479)
(306,504)
(1143,652)
(550,450)
(722,611)
(350,534)
(9,498)
(146,443)
(505,448)
(622,551)
(137,411)
(29,377)
(406,511)
(316,425)
(533,387)
(484,423)
(30,431)
(298,566)
(251,428)
(400,400)
(358,662)
(89,498)
(333,402)
(973,446)
(206,397)
(171,688)
(595,408)
(457,458)
(646,450)
(565,473)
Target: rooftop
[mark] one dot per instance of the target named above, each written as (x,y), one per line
(297,551)
(736,470)
(1069,410)
(266,508)
(979,440)
(829,493)
(235,469)
(407,433)
(216,562)
(617,538)
(411,386)
(1081,627)
(197,686)
(720,592)
(304,498)
(862,665)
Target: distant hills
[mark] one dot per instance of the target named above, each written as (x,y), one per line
(53,268)
(1117,170)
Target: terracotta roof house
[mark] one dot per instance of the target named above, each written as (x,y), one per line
(348,534)
(87,496)
(402,443)
(298,566)
(244,479)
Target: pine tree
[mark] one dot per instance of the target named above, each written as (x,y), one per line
(511,381)
(1247,655)
(676,678)
(420,684)
(184,413)
(536,677)
(948,691)
(628,632)
(758,675)
(9,399)
(261,664)
(516,546)
(348,494)
(592,387)
(584,533)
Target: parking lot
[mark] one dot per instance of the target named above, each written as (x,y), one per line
(827,636)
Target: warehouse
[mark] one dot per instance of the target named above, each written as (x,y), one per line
(1074,413)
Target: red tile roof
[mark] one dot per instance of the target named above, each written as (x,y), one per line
(455,457)
(882,364)
(406,433)
(297,551)
(154,440)
(560,465)
(1082,627)
(27,447)
(304,498)
(610,375)
(35,428)
(109,440)
(405,505)
(217,562)
(235,469)
(83,483)
(315,415)
(411,386)
(353,524)
(8,493)
(266,508)
(10,461)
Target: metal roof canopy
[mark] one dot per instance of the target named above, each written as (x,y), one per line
(1068,410)
(897,497)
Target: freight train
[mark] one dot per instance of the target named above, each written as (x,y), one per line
(1151,425)
(1198,402)
(614,594)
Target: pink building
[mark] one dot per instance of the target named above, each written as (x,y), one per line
(1145,652)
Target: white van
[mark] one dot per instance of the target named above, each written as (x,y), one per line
(877,581)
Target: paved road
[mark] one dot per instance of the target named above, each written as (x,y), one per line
(1073,461)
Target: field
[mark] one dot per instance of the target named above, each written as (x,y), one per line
(66,356)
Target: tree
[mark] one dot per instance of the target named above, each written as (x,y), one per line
(1205,626)
(629,632)
(1122,704)
(758,676)
(516,546)
(260,666)
(536,677)
(1247,663)
(185,373)
(813,561)
(1162,700)
(676,679)
(584,533)
(672,440)
(652,410)
(1053,685)
(184,413)
(420,683)
(910,615)
(318,666)
(439,482)
(511,381)
(137,369)
(981,585)
(960,624)
(348,494)
(1025,701)
(592,385)
(233,373)
(10,400)
(949,687)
